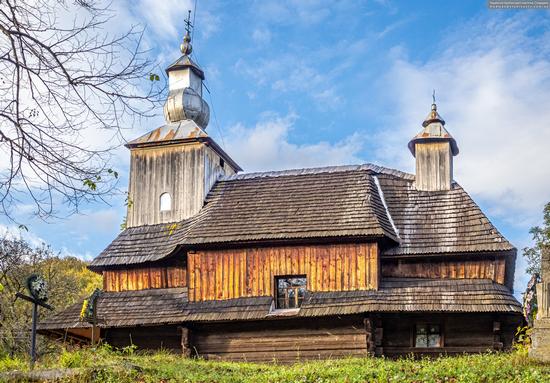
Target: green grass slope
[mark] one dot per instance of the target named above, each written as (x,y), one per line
(105,365)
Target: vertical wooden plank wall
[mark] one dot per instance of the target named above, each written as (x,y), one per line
(144,278)
(226,274)
(185,171)
(488,268)
(434,166)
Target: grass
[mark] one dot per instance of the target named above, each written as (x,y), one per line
(105,365)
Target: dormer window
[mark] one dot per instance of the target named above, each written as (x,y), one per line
(290,292)
(165,202)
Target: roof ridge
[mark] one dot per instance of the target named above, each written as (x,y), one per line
(386,209)
(319,170)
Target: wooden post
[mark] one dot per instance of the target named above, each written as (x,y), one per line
(33,334)
(185,346)
(35,304)
(94,322)
(369,329)
(378,336)
(497,338)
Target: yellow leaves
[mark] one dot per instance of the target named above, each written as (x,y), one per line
(83,309)
(172,227)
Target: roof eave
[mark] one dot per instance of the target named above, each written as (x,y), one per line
(415,140)
(207,140)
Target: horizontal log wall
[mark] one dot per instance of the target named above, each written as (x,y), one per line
(282,341)
(483,268)
(144,278)
(226,274)
(147,338)
(461,332)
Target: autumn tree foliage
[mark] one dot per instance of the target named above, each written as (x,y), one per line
(68,282)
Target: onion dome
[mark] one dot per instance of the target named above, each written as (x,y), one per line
(185,79)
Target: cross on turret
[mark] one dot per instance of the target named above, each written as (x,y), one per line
(185,46)
(188,25)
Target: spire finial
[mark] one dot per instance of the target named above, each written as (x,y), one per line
(434,115)
(186,47)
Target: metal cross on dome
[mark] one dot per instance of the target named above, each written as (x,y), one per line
(188,25)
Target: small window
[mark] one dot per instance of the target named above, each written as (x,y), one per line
(290,292)
(428,335)
(222,163)
(165,202)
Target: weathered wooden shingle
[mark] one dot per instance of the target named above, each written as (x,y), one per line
(126,308)
(438,222)
(292,205)
(141,244)
(343,202)
(164,306)
(395,295)
(416,295)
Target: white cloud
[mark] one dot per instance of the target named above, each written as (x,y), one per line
(392,27)
(293,73)
(308,12)
(94,222)
(261,35)
(266,146)
(164,17)
(15,232)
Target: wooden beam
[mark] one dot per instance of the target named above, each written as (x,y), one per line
(369,329)
(498,343)
(185,345)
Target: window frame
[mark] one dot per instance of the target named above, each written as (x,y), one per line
(169,201)
(427,324)
(276,279)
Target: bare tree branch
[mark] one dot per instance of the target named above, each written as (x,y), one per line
(60,80)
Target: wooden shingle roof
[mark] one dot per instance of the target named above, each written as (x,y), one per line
(438,222)
(412,295)
(141,244)
(126,308)
(168,306)
(394,295)
(331,202)
(343,202)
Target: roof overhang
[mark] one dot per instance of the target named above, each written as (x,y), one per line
(421,140)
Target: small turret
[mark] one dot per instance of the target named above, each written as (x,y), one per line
(434,149)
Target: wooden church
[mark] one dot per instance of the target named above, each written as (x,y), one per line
(298,264)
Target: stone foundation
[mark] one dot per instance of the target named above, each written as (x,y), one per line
(540,348)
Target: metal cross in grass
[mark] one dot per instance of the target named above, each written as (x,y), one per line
(38,295)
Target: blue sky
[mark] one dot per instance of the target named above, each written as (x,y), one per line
(312,83)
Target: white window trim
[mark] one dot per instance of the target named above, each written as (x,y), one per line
(163,201)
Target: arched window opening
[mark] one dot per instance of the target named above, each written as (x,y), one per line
(165,202)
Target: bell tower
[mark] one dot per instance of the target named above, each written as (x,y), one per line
(173,167)
(434,149)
